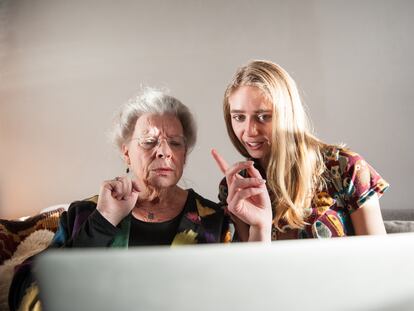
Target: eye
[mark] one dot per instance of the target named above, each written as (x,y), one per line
(264,117)
(148,143)
(238,117)
(177,142)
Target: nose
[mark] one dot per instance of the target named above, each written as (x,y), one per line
(163,150)
(251,127)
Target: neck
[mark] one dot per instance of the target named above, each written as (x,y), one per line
(264,162)
(155,197)
(160,205)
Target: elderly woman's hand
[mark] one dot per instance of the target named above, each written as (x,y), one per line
(248,198)
(117,198)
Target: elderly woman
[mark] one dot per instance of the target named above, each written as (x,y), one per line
(154,133)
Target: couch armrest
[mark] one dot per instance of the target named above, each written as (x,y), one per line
(405,214)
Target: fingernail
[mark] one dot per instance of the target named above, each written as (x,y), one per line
(262,181)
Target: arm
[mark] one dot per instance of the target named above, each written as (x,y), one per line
(76,231)
(117,198)
(367,220)
(364,188)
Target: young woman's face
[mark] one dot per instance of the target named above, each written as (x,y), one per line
(251,119)
(157,150)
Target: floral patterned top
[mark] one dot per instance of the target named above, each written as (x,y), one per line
(350,182)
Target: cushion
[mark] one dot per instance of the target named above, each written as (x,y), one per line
(33,244)
(12,232)
(21,239)
(398,214)
(397,226)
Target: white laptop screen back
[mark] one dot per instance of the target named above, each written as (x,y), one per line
(358,273)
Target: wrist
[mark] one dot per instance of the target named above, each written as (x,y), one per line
(113,219)
(260,234)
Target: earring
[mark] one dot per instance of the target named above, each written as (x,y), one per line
(127,170)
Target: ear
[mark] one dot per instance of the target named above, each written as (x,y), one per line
(125,154)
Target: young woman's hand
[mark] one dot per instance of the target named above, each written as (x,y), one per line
(117,198)
(248,198)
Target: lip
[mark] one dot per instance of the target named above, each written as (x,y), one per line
(254,145)
(163,170)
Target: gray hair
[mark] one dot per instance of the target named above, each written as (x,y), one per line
(152,101)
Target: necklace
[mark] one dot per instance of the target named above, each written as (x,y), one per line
(159,211)
(143,214)
(151,216)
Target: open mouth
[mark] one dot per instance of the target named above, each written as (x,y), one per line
(256,145)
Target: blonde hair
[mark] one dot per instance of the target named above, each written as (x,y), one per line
(295,167)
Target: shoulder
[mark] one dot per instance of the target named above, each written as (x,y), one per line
(70,220)
(333,153)
(202,201)
(204,206)
(342,161)
(89,203)
(350,177)
(345,160)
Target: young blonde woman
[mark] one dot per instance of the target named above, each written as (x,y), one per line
(294,185)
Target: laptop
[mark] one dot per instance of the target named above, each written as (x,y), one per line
(354,273)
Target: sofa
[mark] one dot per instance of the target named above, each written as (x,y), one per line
(398,220)
(20,239)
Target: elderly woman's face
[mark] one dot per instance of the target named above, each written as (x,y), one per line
(156,153)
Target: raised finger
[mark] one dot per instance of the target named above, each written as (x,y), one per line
(254,172)
(222,164)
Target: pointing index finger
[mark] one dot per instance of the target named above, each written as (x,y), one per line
(222,164)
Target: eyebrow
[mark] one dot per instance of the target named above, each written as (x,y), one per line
(256,111)
(169,135)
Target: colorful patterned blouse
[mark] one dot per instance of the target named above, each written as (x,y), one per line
(350,182)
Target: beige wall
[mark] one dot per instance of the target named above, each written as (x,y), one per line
(65,66)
